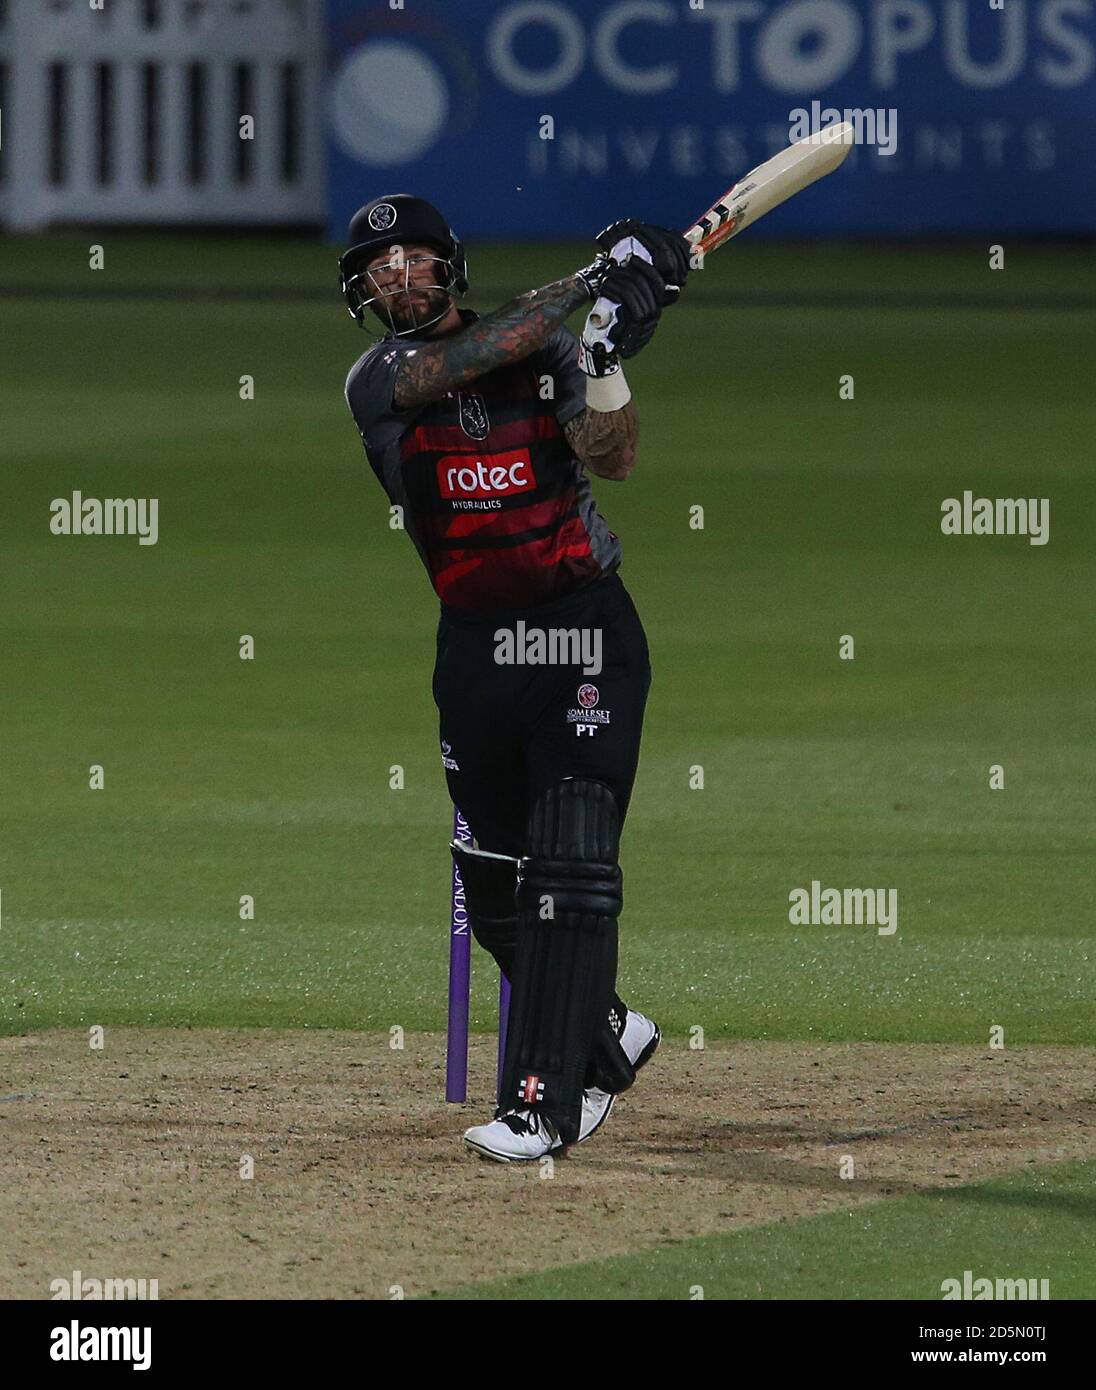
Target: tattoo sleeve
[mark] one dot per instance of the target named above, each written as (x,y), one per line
(605,441)
(507,335)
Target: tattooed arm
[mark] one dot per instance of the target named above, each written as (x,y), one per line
(605,441)
(427,373)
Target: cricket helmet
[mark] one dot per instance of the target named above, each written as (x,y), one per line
(391,221)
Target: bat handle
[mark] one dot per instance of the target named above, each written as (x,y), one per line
(599,318)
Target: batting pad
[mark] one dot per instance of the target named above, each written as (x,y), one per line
(564,978)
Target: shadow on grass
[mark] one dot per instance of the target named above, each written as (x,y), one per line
(1081,1205)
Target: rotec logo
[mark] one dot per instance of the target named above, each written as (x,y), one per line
(496,476)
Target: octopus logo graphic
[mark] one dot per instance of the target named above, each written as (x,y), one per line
(388,103)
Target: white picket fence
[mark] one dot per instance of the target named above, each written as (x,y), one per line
(132,113)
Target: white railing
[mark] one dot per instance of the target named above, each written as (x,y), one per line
(132,113)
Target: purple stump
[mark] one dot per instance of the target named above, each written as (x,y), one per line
(460,981)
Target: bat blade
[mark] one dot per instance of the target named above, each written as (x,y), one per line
(758,192)
(771,184)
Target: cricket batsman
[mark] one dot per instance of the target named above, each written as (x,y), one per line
(482,428)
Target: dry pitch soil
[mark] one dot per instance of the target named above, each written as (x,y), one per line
(126,1162)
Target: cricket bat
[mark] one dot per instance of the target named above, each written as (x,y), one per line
(765,188)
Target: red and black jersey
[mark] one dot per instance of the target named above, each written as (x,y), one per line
(497,505)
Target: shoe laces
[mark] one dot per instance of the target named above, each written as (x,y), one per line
(527,1122)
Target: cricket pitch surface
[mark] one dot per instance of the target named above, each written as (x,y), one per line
(126,1162)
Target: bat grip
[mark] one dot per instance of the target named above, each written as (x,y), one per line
(598,318)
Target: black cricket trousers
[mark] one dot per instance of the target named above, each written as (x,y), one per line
(508,732)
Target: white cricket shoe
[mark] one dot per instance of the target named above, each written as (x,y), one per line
(519,1136)
(596,1106)
(639,1040)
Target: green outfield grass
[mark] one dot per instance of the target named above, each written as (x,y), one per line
(1039,1224)
(821,519)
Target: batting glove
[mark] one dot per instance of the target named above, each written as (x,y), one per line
(593,274)
(623,320)
(666,250)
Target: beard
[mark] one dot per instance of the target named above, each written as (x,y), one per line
(409,310)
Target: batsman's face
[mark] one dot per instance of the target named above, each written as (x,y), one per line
(408,282)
